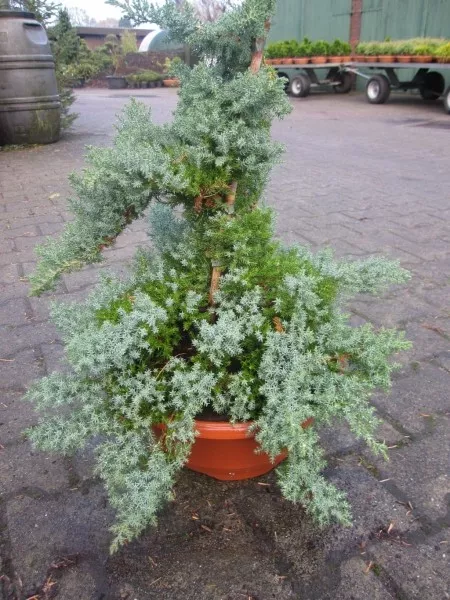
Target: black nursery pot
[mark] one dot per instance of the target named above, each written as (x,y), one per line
(116,83)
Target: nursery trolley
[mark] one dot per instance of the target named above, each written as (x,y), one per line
(381,79)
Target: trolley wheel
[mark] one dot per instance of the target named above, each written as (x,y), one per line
(447,100)
(300,86)
(378,89)
(433,86)
(345,83)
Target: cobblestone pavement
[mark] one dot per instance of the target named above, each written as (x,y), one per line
(362,179)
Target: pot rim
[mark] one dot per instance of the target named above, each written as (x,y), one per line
(226,430)
(223,430)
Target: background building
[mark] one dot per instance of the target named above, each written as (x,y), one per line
(364,20)
(95,36)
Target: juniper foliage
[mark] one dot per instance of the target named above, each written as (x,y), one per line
(268,342)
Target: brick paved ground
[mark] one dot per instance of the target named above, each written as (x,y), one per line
(363,179)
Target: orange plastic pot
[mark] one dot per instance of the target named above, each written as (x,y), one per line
(226,451)
(171,82)
(422,59)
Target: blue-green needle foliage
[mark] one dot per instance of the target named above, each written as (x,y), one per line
(274,345)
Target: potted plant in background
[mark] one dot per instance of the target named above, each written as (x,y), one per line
(170,67)
(303,52)
(340,52)
(284,57)
(443,53)
(423,53)
(360,52)
(117,81)
(320,51)
(220,333)
(372,50)
(78,74)
(386,52)
(404,51)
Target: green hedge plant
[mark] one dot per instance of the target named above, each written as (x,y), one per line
(216,314)
(340,48)
(320,48)
(442,53)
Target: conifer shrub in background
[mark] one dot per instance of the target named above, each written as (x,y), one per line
(216,314)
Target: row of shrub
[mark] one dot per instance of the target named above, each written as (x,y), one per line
(431,48)
(438,48)
(307,48)
(144,79)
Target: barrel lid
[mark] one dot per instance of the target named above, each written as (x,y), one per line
(4,14)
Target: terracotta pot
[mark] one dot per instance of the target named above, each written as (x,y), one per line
(227,452)
(287,61)
(371,59)
(422,59)
(318,60)
(304,60)
(338,59)
(269,61)
(359,58)
(386,58)
(404,59)
(171,82)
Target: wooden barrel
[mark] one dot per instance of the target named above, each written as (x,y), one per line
(29,101)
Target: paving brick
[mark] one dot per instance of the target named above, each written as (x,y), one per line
(14,312)
(11,222)
(16,415)
(356,580)
(20,371)
(338,438)
(419,570)
(420,469)
(50,228)
(69,524)
(6,245)
(425,391)
(21,231)
(18,289)
(9,273)
(392,311)
(16,338)
(22,467)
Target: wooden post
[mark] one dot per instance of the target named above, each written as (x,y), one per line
(355,22)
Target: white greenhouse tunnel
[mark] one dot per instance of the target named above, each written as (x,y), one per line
(157,40)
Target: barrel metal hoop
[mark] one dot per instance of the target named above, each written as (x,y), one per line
(35,65)
(30,107)
(30,99)
(27,57)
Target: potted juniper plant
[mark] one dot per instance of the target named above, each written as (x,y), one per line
(220,333)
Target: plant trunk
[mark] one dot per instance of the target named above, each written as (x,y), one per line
(255,65)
